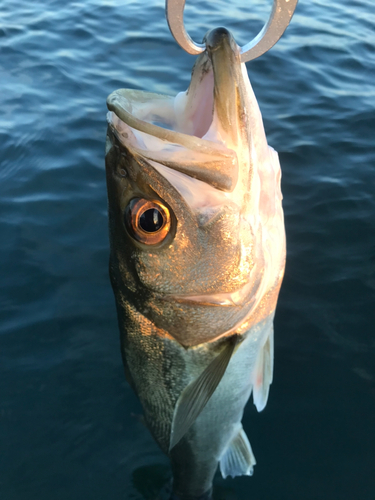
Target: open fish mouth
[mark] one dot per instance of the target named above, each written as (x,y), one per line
(196,132)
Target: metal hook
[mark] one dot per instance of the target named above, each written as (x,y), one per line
(282,12)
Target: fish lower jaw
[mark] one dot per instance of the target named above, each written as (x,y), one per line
(238,298)
(201,319)
(216,299)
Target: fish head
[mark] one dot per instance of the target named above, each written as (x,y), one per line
(195,217)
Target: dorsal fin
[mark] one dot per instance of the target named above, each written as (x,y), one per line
(196,395)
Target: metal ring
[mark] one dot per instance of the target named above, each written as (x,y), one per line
(281,15)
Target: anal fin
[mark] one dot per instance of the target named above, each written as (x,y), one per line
(196,395)
(263,373)
(238,459)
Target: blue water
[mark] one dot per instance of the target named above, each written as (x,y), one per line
(70,426)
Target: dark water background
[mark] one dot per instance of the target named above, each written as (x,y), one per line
(68,420)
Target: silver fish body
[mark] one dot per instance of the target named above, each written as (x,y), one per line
(197,259)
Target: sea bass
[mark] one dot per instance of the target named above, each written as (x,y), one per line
(197,258)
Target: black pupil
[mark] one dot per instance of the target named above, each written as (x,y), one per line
(151,220)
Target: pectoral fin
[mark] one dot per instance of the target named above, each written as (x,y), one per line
(196,395)
(263,374)
(238,459)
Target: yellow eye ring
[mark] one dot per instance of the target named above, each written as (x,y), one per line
(147,221)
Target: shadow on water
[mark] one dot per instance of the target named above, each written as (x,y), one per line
(154,482)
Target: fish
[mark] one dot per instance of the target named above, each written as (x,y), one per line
(197,257)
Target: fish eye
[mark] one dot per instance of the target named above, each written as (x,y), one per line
(147,221)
